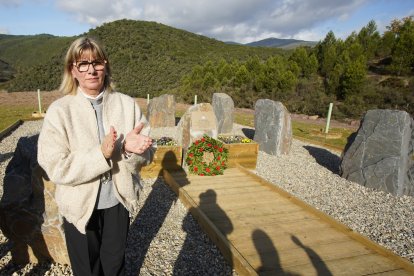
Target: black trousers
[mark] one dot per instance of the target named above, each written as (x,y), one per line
(101,251)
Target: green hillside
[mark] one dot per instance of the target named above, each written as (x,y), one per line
(146,57)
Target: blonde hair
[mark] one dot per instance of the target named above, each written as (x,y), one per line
(69,84)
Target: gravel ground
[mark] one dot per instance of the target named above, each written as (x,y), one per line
(165,239)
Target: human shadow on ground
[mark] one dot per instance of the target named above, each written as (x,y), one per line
(192,261)
(317,262)
(150,217)
(5,156)
(248,132)
(21,210)
(325,158)
(269,257)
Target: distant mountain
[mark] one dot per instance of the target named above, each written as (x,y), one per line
(278,43)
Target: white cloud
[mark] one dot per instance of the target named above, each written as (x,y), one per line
(4,30)
(235,20)
(310,35)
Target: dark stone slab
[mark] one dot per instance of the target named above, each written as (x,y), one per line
(380,155)
(223,107)
(273,129)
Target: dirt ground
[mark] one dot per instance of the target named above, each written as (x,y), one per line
(30,98)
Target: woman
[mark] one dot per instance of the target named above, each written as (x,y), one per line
(92,142)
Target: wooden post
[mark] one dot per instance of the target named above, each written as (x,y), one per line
(39,101)
(328,119)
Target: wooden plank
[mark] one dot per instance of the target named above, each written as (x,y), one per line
(306,240)
(260,241)
(220,186)
(205,180)
(301,255)
(242,154)
(165,157)
(355,265)
(229,252)
(336,224)
(396,272)
(234,196)
(305,255)
(255,211)
(225,197)
(280,230)
(264,203)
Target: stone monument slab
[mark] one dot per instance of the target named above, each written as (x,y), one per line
(273,128)
(381,155)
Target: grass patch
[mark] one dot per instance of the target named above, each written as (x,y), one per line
(336,138)
(9,115)
(244,119)
(314,133)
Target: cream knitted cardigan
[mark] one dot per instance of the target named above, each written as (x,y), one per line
(69,152)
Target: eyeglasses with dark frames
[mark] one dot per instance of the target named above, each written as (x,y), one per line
(83,66)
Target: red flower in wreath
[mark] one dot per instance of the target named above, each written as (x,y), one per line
(207,156)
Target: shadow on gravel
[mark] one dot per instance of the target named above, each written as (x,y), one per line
(5,156)
(192,259)
(325,158)
(149,221)
(22,207)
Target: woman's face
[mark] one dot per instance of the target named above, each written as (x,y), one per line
(90,73)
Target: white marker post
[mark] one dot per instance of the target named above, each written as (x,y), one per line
(40,102)
(328,119)
(147,99)
(195,100)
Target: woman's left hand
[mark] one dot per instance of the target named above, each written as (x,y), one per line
(135,142)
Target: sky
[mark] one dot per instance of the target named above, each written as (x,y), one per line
(240,21)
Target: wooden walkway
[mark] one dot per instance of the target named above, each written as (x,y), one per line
(261,229)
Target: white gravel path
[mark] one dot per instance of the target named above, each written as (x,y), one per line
(165,239)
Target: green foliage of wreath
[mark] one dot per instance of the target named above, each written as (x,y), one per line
(207,156)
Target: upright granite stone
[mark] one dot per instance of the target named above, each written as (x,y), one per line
(381,156)
(223,107)
(161,111)
(198,120)
(273,129)
(28,212)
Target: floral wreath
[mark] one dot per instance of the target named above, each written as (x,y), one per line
(207,156)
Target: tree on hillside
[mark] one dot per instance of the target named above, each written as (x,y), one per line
(369,39)
(402,52)
(353,76)
(327,53)
(307,61)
